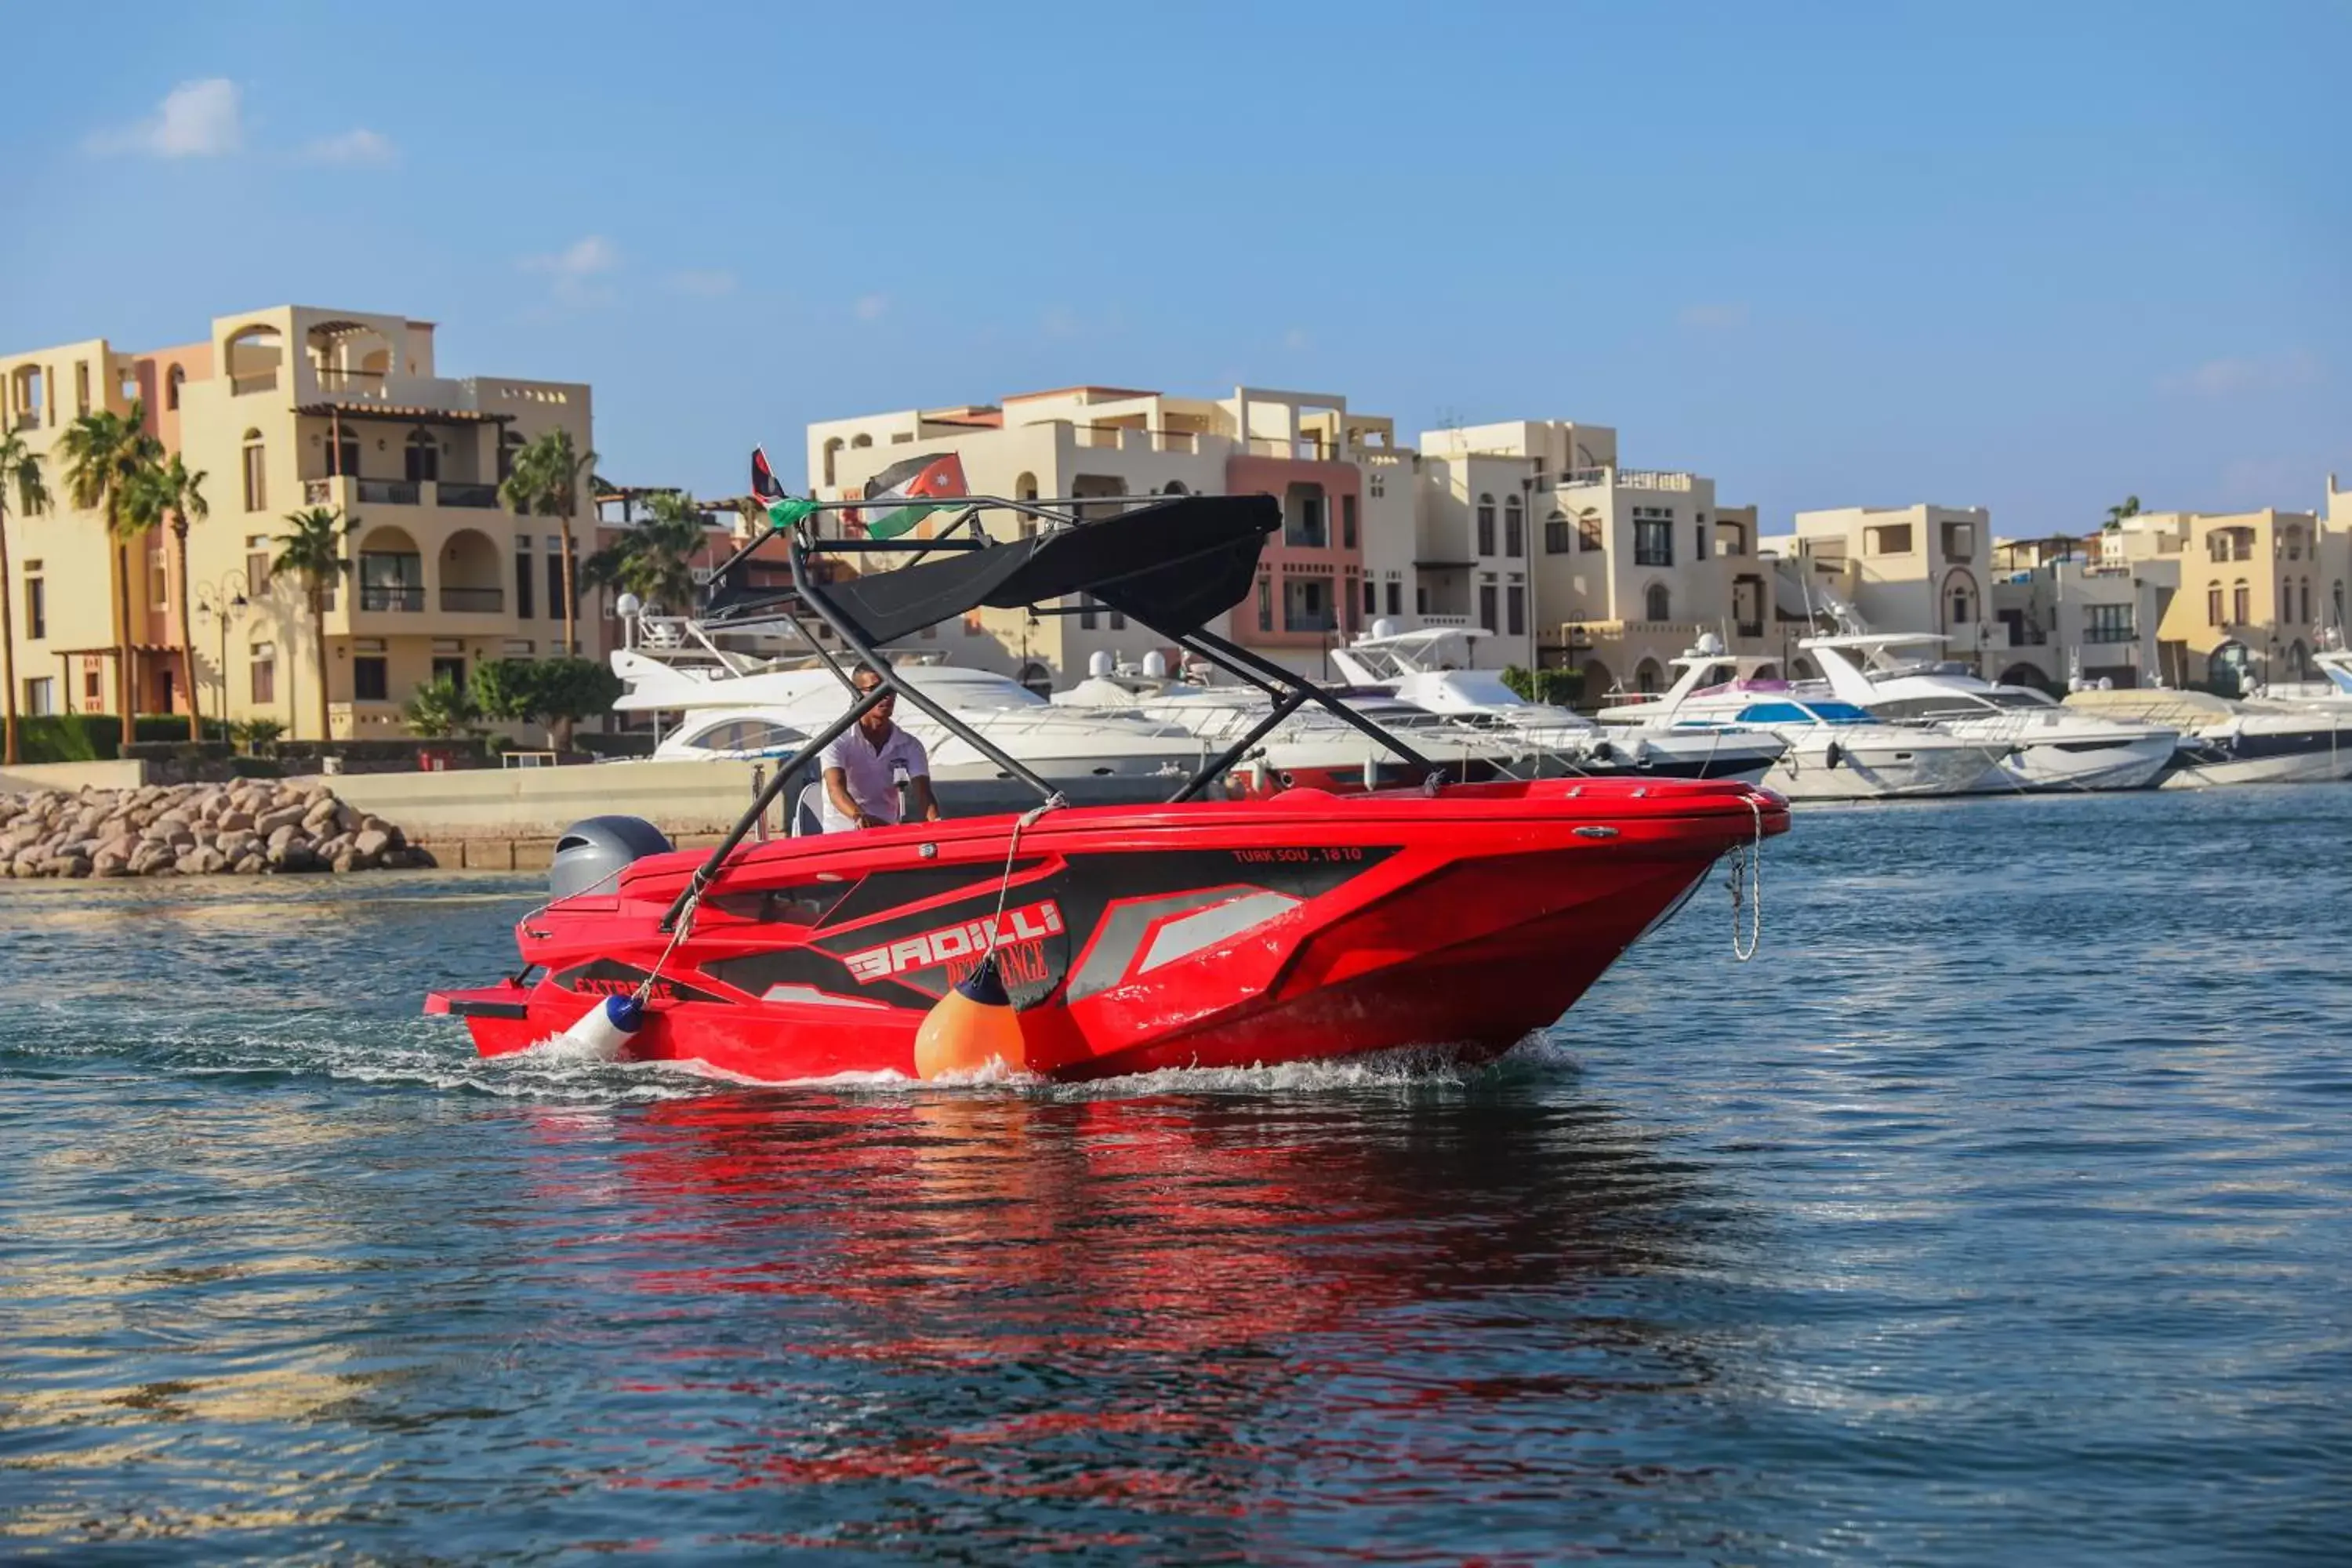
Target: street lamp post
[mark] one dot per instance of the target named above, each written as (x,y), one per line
(222,601)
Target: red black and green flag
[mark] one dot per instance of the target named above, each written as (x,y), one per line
(896,498)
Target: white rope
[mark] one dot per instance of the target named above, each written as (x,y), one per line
(1027,820)
(677,935)
(1748,858)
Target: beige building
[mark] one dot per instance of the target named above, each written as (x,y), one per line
(2061,612)
(283,409)
(2258,591)
(1909,568)
(1530,530)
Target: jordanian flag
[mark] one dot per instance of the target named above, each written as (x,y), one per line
(896,497)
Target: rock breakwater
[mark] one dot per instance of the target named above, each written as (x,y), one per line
(249,828)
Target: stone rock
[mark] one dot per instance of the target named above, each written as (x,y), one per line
(248,865)
(234,818)
(66,866)
(369,844)
(121,848)
(109,864)
(343,861)
(297,855)
(347,821)
(285,835)
(276,817)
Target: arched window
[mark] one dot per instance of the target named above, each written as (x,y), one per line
(832,450)
(2241,604)
(1174,488)
(1649,675)
(173,379)
(1588,531)
(1515,539)
(423,457)
(256,486)
(1486,525)
(861,441)
(1960,601)
(2213,606)
(1659,604)
(2306,616)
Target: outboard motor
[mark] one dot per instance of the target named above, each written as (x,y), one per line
(592,854)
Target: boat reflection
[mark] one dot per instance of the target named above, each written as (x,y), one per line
(1177,1304)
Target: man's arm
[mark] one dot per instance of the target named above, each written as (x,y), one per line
(836,789)
(926,803)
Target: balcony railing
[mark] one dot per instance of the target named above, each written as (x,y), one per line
(1749,628)
(394,597)
(238,385)
(1302,622)
(388,492)
(464,492)
(335,380)
(473,601)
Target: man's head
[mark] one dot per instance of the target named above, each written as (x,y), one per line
(875,721)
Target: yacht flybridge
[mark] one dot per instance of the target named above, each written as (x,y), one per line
(1193,931)
(1836,751)
(1433,669)
(2048,746)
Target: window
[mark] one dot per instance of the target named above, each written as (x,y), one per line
(1085,612)
(257,572)
(2108,623)
(1654,538)
(1486,525)
(524,582)
(81,385)
(450,669)
(347,455)
(1347,521)
(1514,609)
(173,379)
(555,585)
(1964,604)
(159,586)
(2241,610)
(1356,606)
(1556,535)
(1698,541)
(1588,534)
(264,667)
(1396,597)
(1371,597)
(2213,606)
(423,457)
(2306,616)
(1304,523)
(1420,599)
(2338,595)
(37,608)
(1658,604)
(1514,531)
(89,688)
(391,580)
(257,487)
(1306,606)
(1486,605)
(41,696)
(1265,604)
(1887,539)
(370,681)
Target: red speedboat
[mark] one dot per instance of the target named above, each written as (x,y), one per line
(1197,932)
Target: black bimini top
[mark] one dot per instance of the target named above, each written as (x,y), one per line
(1173,565)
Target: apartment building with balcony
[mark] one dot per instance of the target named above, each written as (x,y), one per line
(1339,476)
(2062,611)
(2258,591)
(1909,568)
(283,409)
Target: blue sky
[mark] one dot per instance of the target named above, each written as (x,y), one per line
(2031,257)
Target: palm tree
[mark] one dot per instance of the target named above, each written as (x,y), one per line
(105,453)
(169,490)
(20,469)
(312,552)
(655,559)
(2115,514)
(545,482)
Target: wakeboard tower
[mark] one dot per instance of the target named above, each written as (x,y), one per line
(1195,932)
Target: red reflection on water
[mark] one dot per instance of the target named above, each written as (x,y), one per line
(1161,1273)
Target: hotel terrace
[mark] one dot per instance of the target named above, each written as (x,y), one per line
(283,409)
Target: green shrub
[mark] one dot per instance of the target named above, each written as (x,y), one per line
(1559,687)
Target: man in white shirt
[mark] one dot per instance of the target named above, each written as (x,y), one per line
(861,765)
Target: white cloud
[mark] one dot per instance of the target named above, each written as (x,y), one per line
(707,283)
(356,146)
(196,120)
(1713,317)
(1296,338)
(2230,377)
(576,270)
(872,307)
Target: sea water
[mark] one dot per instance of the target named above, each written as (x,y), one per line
(2000,1211)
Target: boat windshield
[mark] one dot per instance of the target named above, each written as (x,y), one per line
(971,689)
(1803,713)
(1484,688)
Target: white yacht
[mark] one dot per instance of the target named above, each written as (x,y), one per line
(1309,748)
(2049,746)
(1434,670)
(739,705)
(1836,751)
(2230,743)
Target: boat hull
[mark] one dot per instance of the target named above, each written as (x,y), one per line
(2124,763)
(1878,769)
(1213,934)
